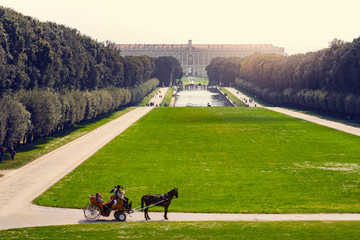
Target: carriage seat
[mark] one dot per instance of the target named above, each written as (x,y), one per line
(95,202)
(118,206)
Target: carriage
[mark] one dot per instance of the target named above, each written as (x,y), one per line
(95,209)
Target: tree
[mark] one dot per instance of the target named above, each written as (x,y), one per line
(44,107)
(17,121)
(3,120)
(133,70)
(167,70)
(213,70)
(149,66)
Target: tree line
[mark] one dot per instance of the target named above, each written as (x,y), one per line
(52,77)
(30,115)
(36,54)
(326,81)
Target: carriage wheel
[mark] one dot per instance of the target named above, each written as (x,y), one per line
(120,216)
(92,212)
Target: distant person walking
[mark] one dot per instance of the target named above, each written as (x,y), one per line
(2,151)
(12,152)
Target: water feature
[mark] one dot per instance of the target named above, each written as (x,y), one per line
(200,97)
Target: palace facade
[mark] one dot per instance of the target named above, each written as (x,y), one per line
(195,57)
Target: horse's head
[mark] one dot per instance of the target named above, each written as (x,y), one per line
(173,193)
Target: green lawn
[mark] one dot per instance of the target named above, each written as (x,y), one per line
(255,98)
(30,152)
(168,97)
(238,160)
(192,230)
(233,98)
(147,99)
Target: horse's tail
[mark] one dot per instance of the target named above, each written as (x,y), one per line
(142,202)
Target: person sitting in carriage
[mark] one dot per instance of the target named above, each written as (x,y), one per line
(106,206)
(122,196)
(119,192)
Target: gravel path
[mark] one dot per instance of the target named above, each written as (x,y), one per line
(248,101)
(159,96)
(320,121)
(18,188)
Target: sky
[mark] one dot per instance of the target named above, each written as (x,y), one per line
(298,26)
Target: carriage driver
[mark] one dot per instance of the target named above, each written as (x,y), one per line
(120,193)
(122,196)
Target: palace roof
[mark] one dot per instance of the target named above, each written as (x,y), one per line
(197,46)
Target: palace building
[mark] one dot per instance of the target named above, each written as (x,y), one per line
(195,57)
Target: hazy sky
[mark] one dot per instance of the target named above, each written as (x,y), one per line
(298,26)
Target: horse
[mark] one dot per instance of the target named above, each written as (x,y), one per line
(162,200)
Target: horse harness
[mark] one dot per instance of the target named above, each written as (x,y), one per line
(165,197)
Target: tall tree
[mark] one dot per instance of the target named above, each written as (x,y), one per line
(167,70)
(17,121)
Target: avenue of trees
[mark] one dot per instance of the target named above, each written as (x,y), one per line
(30,115)
(327,81)
(52,77)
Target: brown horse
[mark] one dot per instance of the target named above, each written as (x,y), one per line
(162,200)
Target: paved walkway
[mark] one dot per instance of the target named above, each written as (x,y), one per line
(21,186)
(248,101)
(173,98)
(159,96)
(320,121)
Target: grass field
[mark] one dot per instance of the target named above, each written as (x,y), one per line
(255,98)
(147,98)
(238,160)
(233,98)
(168,97)
(30,152)
(192,230)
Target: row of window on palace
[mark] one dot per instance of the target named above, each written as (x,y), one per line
(188,58)
(185,55)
